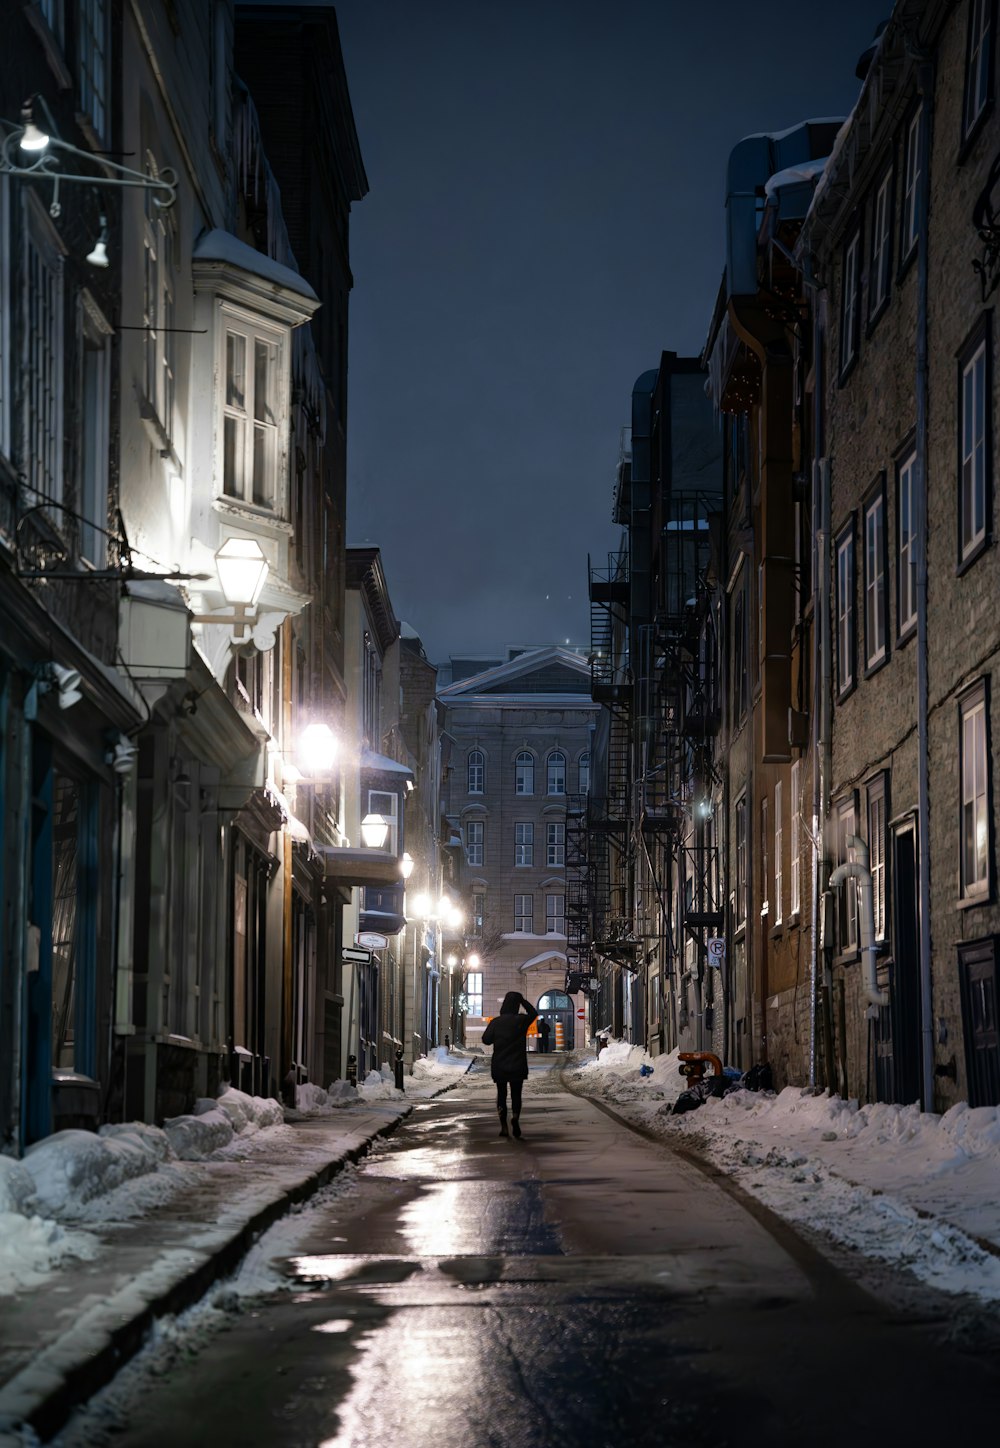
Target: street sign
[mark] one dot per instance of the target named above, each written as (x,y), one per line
(580,1013)
(371,940)
(361,956)
(716,950)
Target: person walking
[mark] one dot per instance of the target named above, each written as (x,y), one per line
(543,1035)
(507,1033)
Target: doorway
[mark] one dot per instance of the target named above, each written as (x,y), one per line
(904,974)
(556,1007)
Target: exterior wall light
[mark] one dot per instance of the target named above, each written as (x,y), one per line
(32,139)
(406,866)
(318,749)
(472,960)
(374,831)
(68,682)
(242,570)
(99,256)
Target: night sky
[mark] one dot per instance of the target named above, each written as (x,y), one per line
(545,216)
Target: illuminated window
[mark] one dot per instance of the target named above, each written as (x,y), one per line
(474,992)
(975,818)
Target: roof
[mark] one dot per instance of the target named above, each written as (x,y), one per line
(514,677)
(223,246)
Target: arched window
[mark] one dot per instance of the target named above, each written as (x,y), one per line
(477,771)
(557,773)
(554,1000)
(524,774)
(584,773)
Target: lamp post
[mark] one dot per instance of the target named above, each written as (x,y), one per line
(242,570)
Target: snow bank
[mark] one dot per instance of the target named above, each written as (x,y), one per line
(624,1073)
(312,1100)
(30,1247)
(17,1186)
(70,1167)
(379,1087)
(439,1065)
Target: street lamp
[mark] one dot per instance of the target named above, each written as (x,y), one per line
(406,865)
(318,749)
(374,831)
(242,570)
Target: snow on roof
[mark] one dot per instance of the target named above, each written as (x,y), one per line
(795,175)
(223,246)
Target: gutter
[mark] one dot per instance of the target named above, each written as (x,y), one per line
(858,869)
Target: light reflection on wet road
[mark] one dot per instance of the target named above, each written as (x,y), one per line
(580,1287)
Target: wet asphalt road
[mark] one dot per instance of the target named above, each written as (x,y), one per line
(582,1287)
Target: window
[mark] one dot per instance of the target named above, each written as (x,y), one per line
(876,631)
(795,904)
(252,370)
(741,862)
(95,382)
(906,545)
(911,188)
(54,12)
(876,851)
(555,843)
(386,804)
(555,915)
(523,910)
(849,300)
(776,911)
(42,352)
(881,260)
(978,64)
(478,912)
(524,774)
(474,992)
(475,842)
(92,61)
(975,820)
(371,692)
(158,309)
(524,843)
(477,772)
(583,773)
(740,677)
(973,446)
(556,774)
(845,611)
(847,901)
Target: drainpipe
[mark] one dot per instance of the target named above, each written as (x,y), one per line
(857,869)
(926,87)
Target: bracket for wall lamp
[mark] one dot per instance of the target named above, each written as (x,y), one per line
(46,166)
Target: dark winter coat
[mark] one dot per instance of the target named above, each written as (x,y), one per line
(507,1033)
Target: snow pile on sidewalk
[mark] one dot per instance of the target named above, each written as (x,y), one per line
(84,1176)
(430,1074)
(894,1183)
(440,1066)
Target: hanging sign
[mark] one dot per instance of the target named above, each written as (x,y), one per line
(371,940)
(716,950)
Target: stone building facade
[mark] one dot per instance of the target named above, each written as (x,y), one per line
(520,741)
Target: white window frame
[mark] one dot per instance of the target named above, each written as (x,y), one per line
(973,453)
(478,913)
(877,826)
(524,912)
(906,545)
(253,330)
(42,357)
(876,619)
(850,282)
(94,333)
(92,62)
(974,766)
(555,843)
(911,186)
(555,773)
(777,913)
(475,842)
(847,915)
(524,842)
(474,993)
(881,264)
(476,772)
(583,772)
(845,611)
(978,63)
(555,915)
(524,773)
(740,834)
(385,803)
(795,903)
(159,259)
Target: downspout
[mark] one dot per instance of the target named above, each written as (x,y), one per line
(857,869)
(926,88)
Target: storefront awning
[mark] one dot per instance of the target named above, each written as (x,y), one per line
(360,867)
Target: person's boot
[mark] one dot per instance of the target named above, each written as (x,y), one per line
(503,1121)
(515,1125)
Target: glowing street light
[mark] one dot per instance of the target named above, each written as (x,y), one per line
(374,831)
(318,749)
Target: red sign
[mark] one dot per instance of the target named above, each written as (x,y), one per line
(580,1013)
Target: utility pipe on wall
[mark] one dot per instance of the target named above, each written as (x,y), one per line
(858,869)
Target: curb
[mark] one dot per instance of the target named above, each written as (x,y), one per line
(80,1381)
